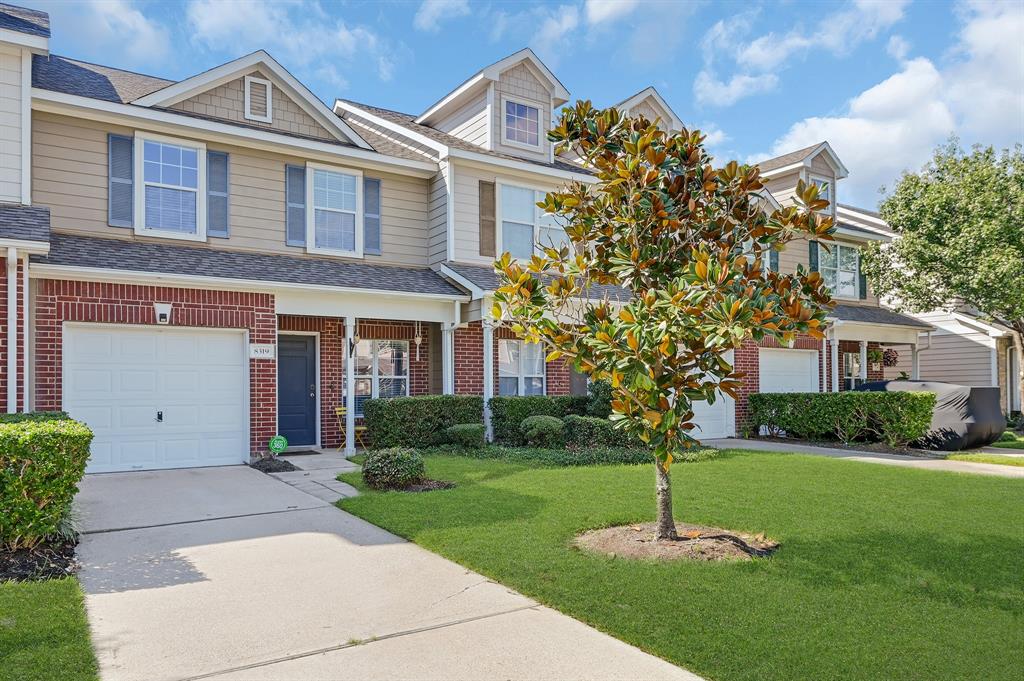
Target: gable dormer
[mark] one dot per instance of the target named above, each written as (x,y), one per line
(256,91)
(651,105)
(816,164)
(506,107)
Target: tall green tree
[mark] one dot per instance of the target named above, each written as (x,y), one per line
(686,242)
(960,237)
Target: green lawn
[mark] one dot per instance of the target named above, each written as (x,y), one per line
(43,632)
(1018,443)
(989,458)
(883,573)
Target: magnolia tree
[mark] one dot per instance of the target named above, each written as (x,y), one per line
(685,242)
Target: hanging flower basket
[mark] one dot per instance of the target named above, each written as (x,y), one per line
(890,357)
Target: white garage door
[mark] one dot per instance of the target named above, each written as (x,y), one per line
(788,371)
(158,397)
(715,420)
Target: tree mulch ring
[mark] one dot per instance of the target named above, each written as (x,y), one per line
(696,542)
(47,560)
(274,465)
(428,485)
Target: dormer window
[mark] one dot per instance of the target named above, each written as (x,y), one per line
(825,191)
(258,99)
(522,124)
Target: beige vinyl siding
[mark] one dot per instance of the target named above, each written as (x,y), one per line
(469,122)
(437,240)
(965,359)
(520,84)
(783,188)
(797,252)
(70,167)
(467,214)
(819,166)
(10,126)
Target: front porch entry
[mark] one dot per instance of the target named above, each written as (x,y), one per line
(298,390)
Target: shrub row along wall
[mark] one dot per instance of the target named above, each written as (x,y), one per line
(507,413)
(896,418)
(419,421)
(42,459)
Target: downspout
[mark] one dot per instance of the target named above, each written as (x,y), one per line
(12,330)
(25,405)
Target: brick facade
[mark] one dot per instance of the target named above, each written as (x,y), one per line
(469,362)
(102,303)
(748,358)
(874,374)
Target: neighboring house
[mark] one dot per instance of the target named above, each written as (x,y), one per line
(194,266)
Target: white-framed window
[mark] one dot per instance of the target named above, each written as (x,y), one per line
(840,268)
(851,370)
(170,196)
(521,124)
(334,215)
(825,193)
(381,370)
(520,368)
(525,227)
(259,99)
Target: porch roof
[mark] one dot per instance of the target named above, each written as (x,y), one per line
(91,253)
(486,279)
(868,314)
(24,223)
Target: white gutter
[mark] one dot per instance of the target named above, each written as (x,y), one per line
(475,291)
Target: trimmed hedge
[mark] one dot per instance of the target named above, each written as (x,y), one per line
(507,413)
(896,418)
(467,435)
(42,460)
(582,432)
(593,456)
(599,401)
(542,431)
(393,468)
(419,421)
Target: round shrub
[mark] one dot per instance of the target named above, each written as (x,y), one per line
(599,402)
(542,431)
(1007,436)
(466,435)
(394,468)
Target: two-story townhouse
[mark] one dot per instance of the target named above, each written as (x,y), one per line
(196,265)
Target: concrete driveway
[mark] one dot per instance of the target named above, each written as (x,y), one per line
(228,573)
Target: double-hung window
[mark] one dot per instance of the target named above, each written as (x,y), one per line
(171,198)
(851,370)
(334,219)
(522,124)
(526,227)
(825,192)
(381,370)
(840,268)
(520,368)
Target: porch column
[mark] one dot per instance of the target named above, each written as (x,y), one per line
(448,358)
(488,374)
(25,321)
(350,386)
(863,362)
(835,365)
(12,330)
(915,363)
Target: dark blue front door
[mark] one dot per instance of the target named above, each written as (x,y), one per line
(296,389)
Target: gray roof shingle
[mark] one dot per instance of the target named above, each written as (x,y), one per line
(158,258)
(487,279)
(869,314)
(26,223)
(25,20)
(74,77)
(787,159)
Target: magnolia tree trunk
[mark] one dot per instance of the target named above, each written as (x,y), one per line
(666,523)
(1018,343)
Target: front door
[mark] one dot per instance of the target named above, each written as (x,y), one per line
(296,389)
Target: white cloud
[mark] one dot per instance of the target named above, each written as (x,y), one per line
(714,135)
(432,13)
(894,125)
(552,37)
(600,11)
(898,47)
(837,33)
(299,34)
(117,27)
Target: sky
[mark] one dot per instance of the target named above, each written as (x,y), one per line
(883,82)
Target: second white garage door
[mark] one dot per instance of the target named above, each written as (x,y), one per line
(715,420)
(158,397)
(788,371)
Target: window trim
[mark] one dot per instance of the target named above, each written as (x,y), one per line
(835,246)
(140,187)
(249,115)
(814,178)
(521,376)
(499,235)
(311,246)
(505,99)
(850,379)
(375,368)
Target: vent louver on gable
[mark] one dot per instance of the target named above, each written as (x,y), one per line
(258,99)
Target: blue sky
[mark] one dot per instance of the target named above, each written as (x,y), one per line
(884,82)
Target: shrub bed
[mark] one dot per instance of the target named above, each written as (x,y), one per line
(895,418)
(419,421)
(582,432)
(507,413)
(542,431)
(394,468)
(42,459)
(467,435)
(592,456)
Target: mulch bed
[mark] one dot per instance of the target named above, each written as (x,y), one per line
(48,560)
(877,447)
(274,465)
(696,542)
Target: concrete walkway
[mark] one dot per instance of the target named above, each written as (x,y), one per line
(872,457)
(317,474)
(227,573)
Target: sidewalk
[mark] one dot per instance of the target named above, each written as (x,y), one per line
(317,474)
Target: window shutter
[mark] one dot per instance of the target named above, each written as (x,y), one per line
(487,219)
(217,193)
(813,255)
(773,260)
(295,205)
(120,171)
(371,216)
(862,284)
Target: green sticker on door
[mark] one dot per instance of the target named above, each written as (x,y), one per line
(278,444)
